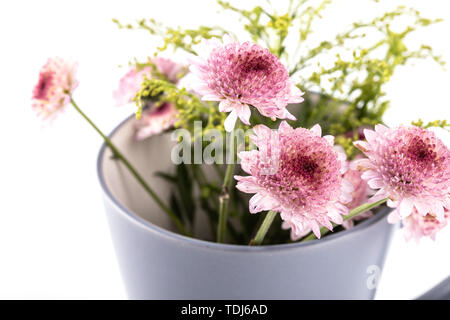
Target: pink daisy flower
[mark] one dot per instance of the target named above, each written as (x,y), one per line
(408,165)
(306,186)
(417,226)
(55,85)
(156,120)
(130,83)
(360,195)
(240,75)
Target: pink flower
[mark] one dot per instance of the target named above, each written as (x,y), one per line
(297,173)
(408,165)
(417,226)
(155,120)
(360,195)
(130,83)
(55,85)
(240,75)
(171,70)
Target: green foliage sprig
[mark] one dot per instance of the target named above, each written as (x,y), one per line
(444,124)
(176,38)
(190,107)
(357,74)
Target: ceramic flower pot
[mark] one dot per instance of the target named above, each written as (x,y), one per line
(158,263)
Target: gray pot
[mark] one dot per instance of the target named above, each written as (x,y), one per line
(157,263)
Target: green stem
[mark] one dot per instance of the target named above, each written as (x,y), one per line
(353,213)
(133,171)
(258,239)
(223,203)
(200,178)
(219,170)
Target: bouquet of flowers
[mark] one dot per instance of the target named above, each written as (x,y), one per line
(305,139)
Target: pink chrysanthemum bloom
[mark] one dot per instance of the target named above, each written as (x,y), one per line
(417,226)
(408,165)
(240,75)
(155,120)
(297,173)
(360,195)
(130,83)
(55,85)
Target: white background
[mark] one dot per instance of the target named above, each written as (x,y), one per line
(54,238)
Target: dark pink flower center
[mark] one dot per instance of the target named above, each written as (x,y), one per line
(45,82)
(256,64)
(161,109)
(420,151)
(306,167)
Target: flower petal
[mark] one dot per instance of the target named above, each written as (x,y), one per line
(370,136)
(405,208)
(243,112)
(230,121)
(317,130)
(362,145)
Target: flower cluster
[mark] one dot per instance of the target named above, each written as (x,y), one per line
(293,171)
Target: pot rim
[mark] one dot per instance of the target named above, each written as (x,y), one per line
(170,235)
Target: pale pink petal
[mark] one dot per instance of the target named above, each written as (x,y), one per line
(393,217)
(226,106)
(405,208)
(369,175)
(317,130)
(212,97)
(330,139)
(422,208)
(370,136)
(230,121)
(379,195)
(247,184)
(361,145)
(361,165)
(243,112)
(261,203)
(316,230)
(375,183)
(379,128)
(284,127)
